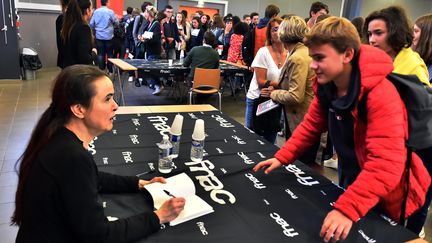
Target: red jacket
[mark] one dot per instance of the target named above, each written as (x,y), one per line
(379,145)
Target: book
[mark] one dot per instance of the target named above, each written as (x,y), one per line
(266,106)
(180,185)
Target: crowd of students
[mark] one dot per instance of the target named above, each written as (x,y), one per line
(329,75)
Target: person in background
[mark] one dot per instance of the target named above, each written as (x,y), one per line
(59,24)
(102,22)
(254,20)
(140,24)
(389,30)
(358,23)
(57,194)
(422,41)
(184,30)
(152,46)
(129,40)
(205,22)
(235,50)
(217,27)
(76,35)
(294,89)
(267,66)
(247,19)
(203,56)
(171,33)
(316,9)
(372,154)
(258,34)
(422,44)
(197,34)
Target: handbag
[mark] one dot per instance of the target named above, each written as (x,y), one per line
(269,121)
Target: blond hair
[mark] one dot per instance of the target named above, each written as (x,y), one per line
(336,31)
(292,30)
(151,10)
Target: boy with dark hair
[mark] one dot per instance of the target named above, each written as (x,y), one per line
(316,9)
(372,151)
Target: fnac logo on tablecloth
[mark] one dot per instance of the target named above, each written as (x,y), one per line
(222,121)
(159,122)
(304,180)
(287,229)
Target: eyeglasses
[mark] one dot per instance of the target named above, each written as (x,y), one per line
(275,29)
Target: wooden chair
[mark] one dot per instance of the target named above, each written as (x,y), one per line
(206,81)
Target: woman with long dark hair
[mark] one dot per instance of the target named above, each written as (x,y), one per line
(59,24)
(76,35)
(422,42)
(56,198)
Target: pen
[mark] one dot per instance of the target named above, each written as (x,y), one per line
(146,172)
(169,193)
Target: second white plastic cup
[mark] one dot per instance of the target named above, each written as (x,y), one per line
(198,133)
(176,127)
(170,62)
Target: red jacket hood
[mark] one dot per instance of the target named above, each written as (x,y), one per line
(375,65)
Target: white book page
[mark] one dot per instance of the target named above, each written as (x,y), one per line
(180,185)
(194,208)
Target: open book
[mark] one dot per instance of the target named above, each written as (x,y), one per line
(180,185)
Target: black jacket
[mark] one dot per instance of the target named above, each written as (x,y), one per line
(60,198)
(78,48)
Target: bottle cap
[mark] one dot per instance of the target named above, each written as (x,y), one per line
(198,133)
(176,127)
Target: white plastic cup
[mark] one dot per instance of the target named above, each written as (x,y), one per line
(176,127)
(198,133)
(170,62)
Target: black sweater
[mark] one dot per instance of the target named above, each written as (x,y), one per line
(61,193)
(78,48)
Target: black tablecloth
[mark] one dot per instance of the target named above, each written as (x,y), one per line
(289,205)
(161,67)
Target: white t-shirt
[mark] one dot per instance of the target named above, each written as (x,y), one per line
(263,59)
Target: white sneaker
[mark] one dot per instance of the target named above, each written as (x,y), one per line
(331,163)
(158,89)
(130,79)
(422,233)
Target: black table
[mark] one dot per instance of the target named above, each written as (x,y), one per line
(161,68)
(289,205)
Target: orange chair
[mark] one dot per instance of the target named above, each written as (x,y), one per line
(206,81)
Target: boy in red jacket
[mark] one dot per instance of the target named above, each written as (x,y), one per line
(372,152)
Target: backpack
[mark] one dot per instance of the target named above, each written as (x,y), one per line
(418,102)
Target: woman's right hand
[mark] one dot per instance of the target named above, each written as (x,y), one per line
(270,164)
(170,209)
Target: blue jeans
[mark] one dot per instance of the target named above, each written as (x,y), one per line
(418,219)
(269,136)
(249,112)
(153,80)
(104,47)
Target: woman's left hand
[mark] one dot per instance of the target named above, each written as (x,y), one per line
(142,183)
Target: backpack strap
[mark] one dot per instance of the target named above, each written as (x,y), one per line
(362,114)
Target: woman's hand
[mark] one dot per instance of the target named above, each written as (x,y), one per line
(336,226)
(271,164)
(94,50)
(170,209)
(142,183)
(265,92)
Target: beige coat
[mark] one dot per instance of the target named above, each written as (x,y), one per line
(295,85)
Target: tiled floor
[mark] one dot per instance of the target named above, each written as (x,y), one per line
(21,104)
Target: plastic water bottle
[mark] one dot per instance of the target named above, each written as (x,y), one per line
(165,160)
(182,55)
(198,136)
(175,135)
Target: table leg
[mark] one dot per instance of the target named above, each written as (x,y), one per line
(121,85)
